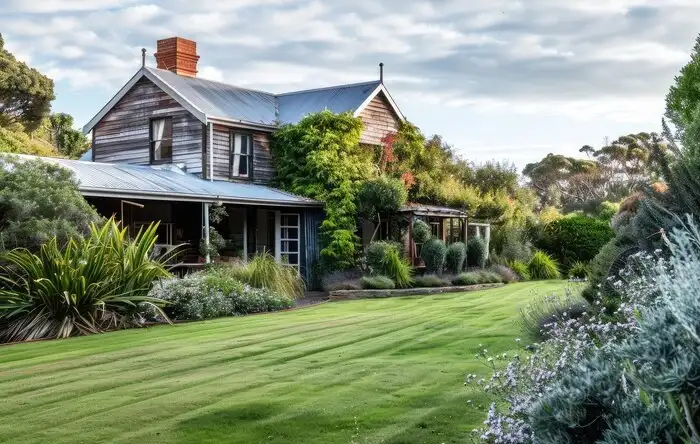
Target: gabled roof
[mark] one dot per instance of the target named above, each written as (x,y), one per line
(167,182)
(208,100)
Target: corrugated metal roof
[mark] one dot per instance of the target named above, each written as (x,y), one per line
(418,208)
(217,99)
(295,106)
(87,157)
(169,183)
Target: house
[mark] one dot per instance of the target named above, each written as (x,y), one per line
(169,145)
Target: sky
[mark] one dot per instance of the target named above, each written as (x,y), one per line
(497,79)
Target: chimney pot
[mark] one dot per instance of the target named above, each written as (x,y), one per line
(178,55)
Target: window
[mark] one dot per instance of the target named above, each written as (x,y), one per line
(162,140)
(241,147)
(289,239)
(435,229)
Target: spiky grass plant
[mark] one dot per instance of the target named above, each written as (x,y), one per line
(543,266)
(263,271)
(90,285)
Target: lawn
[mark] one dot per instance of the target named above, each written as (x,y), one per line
(369,371)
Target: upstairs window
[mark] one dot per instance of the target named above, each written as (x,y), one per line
(241,147)
(162,140)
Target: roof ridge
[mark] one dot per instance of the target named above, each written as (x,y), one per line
(214,81)
(346,85)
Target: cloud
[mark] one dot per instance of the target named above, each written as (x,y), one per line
(583,59)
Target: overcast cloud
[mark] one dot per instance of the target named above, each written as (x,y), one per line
(497,78)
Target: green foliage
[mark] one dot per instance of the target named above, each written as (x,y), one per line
(263,271)
(15,141)
(70,142)
(376,252)
(321,158)
(476,252)
(477,277)
(384,258)
(90,285)
(377,283)
(576,238)
(25,93)
(433,254)
(397,268)
(421,231)
(512,243)
(608,262)
(40,201)
(543,266)
(579,270)
(382,195)
(683,98)
(521,269)
(455,257)
(430,280)
(540,314)
(215,293)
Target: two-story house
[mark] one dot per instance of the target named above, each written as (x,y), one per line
(169,144)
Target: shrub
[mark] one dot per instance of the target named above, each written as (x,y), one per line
(543,266)
(431,280)
(433,255)
(263,271)
(576,238)
(382,195)
(455,257)
(342,280)
(536,319)
(521,269)
(470,278)
(578,270)
(476,252)
(40,201)
(377,283)
(477,277)
(191,298)
(507,275)
(91,285)
(376,252)
(215,293)
(397,268)
(516,246)
(421,232)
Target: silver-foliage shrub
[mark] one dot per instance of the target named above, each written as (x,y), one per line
(566,388)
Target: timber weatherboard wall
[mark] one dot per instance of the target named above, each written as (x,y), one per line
(123,134)
(262,169)
(378,120)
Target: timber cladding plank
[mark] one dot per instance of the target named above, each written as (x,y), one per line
(379,120)
(123,135)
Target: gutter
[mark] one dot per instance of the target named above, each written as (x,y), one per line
(125,194)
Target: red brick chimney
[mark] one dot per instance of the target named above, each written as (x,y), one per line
(177,55)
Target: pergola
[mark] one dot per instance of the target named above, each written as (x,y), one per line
(448,224)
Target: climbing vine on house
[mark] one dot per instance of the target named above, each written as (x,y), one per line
(321,158)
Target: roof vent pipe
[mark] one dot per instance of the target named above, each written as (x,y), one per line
(143,57)
(381,72)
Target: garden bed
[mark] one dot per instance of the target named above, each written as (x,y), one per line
(341,295)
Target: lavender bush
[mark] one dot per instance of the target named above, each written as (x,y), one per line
(534,391)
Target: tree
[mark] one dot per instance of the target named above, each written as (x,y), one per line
(683,97)
(69,141)
(25,93)
(39,201)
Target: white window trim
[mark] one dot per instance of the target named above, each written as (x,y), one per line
(236,144)
(278,238)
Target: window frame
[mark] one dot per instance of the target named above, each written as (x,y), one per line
(248,155)
(287,252)
(151,141)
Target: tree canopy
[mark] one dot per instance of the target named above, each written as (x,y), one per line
(683,96)
(25,93)
(40,200)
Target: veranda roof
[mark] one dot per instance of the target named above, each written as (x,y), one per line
(167,182)
(432,210)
